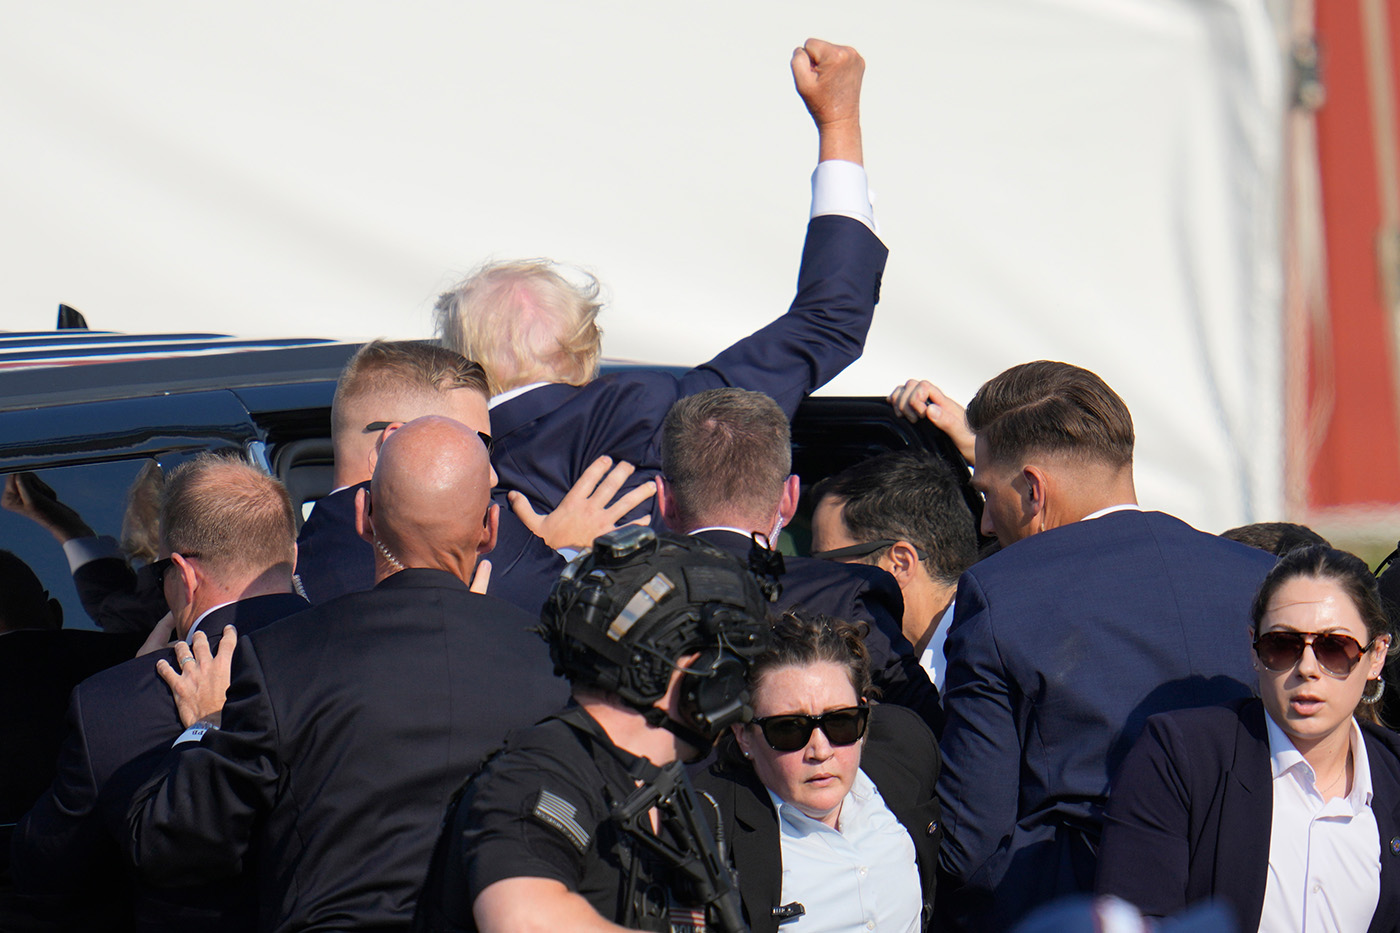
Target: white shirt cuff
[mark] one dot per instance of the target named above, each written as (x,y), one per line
(840,187)
(81,551)
(194,733)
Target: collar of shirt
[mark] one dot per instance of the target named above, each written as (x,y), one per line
(1284,757)
(1125,507)
(737,531)
(512,393)
(202,616)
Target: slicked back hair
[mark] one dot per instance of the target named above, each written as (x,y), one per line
(1047,407)
(393,371)
(907,495)
(1278,538)
(525,322)
(232,515)
(725,451)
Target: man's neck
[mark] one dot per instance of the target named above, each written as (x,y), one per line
(922,612)
(629,730)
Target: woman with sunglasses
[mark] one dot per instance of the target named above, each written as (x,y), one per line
(1287,806)
(827,800)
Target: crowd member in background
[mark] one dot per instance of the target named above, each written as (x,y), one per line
(535,332)
(118,596)
(903,512)
(347,727)
(1093,616)
(1285,807)
(726,456)
(832,825)
(1278,538)
(387,383)
(655,634)
(228,538)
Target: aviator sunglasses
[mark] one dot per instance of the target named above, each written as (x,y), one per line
(1337,654)
(790,733)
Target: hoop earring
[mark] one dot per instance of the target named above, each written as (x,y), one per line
(1367,697)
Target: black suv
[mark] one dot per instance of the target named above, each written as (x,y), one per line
(87,410)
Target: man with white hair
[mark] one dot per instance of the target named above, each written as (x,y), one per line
(535,335)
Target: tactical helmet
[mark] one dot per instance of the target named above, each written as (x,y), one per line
(624,611)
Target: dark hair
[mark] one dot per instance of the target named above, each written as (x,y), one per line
(907,495)
(725,450)
(1349,572)
(1051,407)
(798,639)
(1277,538)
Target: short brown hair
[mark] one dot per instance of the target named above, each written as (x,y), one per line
(1049,407)
(235,517)
(400,369)
(725,450)
(525,322)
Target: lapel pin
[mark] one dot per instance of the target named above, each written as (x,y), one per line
(1395,845)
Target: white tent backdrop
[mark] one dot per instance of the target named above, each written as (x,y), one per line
(1088,180)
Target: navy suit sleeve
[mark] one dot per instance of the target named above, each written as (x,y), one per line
(981,747)
(193,820)
(824,329)
(1144,853)
(53,845)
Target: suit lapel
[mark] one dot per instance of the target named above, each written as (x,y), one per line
(1246,818)
(757,852)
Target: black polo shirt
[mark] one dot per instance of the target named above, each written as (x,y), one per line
(540,808)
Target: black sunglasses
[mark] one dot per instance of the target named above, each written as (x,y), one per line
(862,550)
(161,567)
(374,427)
(1337,654)
(790,733)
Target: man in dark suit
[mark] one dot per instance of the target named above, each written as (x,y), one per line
(385,384)
(347,727)
(1093,616)
(727,456)
(534,331)
(227,533)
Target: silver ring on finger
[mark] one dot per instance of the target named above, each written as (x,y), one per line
(189,660)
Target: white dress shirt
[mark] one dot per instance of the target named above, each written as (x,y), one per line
(1324,856)
(861,876)
(932,660)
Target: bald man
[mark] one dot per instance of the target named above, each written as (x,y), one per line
(347,727)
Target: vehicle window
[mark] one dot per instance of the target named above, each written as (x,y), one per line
(98,494)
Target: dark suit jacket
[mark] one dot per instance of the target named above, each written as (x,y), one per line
(38,670)
(118,598)
(332,559)
(1192,812)
(120,722)
(346,730)
(855,593)
(901,759)
(1060,648)
(546,438)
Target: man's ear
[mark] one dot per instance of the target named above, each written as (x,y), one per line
(1036,488)
(488,537)
(186,578)
(666,503)
(792,491)
(903,560)
(364,522)
(379,442)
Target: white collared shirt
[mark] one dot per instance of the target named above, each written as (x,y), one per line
(933,660)
(838,187)
(1125,507)
(1324,857)
(202,616)
(860,877)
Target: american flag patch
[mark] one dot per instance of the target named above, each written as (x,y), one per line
(554,811)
